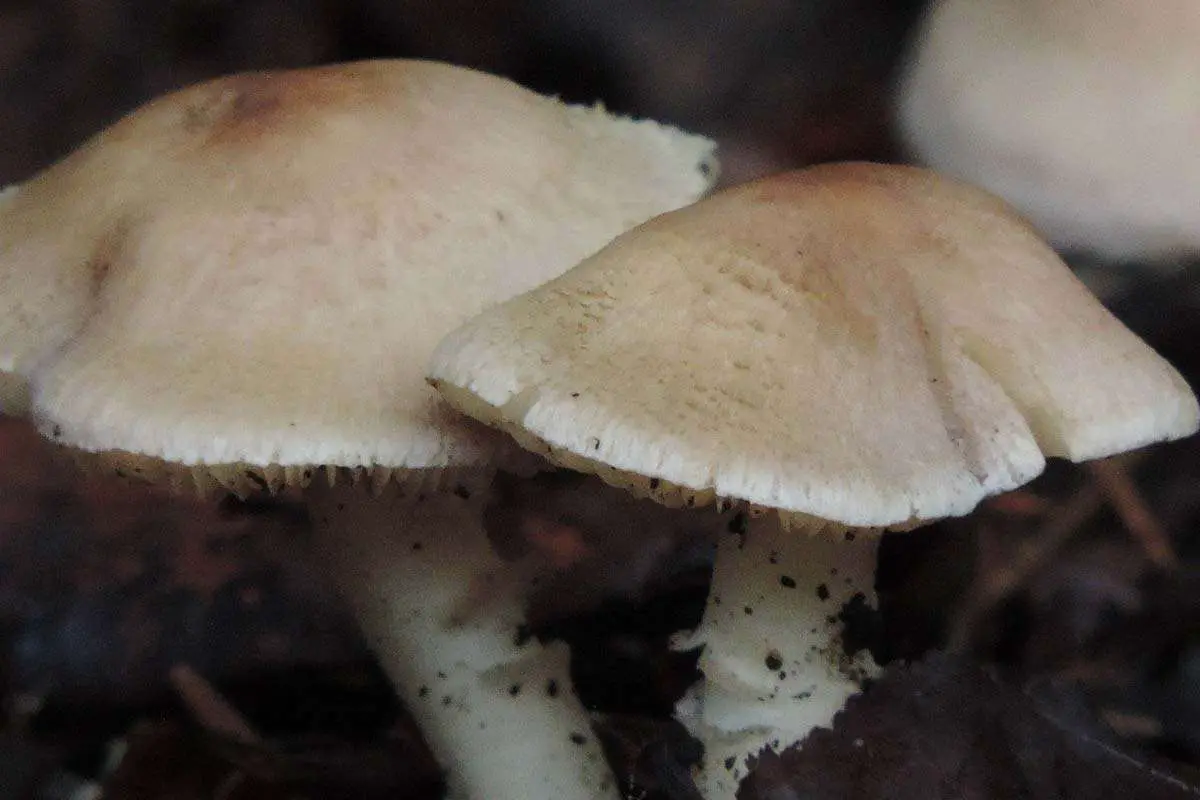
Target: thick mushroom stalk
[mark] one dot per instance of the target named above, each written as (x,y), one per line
(774,661)
(444,615)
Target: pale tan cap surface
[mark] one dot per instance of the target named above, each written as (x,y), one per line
(255,270)
(870,345)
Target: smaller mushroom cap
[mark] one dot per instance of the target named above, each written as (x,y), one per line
(254,271)
(865,344)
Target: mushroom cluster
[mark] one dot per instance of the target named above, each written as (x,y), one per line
(835,351)
(237,288)
(244,286)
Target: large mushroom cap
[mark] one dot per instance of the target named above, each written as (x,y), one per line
(869,345)
(255,269)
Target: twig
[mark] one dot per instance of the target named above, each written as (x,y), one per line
(210,709)
(1110,484)
(1124,497)
(993,588)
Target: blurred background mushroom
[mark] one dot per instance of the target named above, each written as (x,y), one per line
(1085,599)
(1082,113)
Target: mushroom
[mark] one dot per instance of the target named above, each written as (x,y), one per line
(1084,114)
(239,285)
(836,351)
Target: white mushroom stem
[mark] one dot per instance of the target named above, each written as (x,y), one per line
(443,614)
(773,662)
